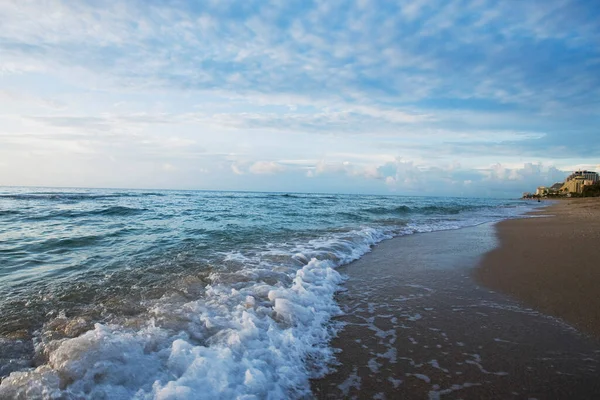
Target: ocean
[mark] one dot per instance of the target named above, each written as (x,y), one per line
(146,294)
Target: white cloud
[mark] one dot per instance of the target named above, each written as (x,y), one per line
(11,96)
(266,167)
(428,81)
(128,41)
(529,172)
(169,167)
(237,169)
(347,168)
(406,176)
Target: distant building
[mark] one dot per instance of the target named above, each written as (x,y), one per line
(587,175)
(554,190)
(575,185)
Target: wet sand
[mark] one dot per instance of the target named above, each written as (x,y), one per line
(418,326)
(552,263)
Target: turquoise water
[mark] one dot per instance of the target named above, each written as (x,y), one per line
(225,291)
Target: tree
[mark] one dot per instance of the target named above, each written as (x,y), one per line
(591,190)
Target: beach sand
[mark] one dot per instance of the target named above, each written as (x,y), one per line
(551,263)
(418,326)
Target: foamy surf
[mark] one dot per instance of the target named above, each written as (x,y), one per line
(243,340)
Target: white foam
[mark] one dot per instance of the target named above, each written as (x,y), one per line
(395,382)
(353,381)
(422,377)
(256,351)
(242,339)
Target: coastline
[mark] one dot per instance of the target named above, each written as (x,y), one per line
(417,325)
(551,263)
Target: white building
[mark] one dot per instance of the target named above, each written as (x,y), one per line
(587,175)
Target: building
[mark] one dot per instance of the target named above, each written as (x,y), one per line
(555,189)
(575,185)
(586,175)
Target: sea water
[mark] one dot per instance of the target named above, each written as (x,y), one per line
(120,294)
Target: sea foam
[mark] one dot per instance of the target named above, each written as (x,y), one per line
(243,340)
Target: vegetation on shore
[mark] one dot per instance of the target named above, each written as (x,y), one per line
(591,190)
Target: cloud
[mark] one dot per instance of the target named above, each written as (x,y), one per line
(347,168)
(409,178)
(237,169)
(266,167)
(409,52)
(169,167)
(530,173)
(12,96)
(320,121)
(370,91)
(257,167)
(135,134)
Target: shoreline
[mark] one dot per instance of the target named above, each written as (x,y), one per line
(551,263)
(417,325)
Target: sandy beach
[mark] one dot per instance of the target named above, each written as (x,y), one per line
(417,325)
(551,263)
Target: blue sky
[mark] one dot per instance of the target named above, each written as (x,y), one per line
(469,98)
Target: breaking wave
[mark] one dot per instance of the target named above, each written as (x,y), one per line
(246,336)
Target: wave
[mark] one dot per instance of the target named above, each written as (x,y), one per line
(302,196)
(249,337)
(349,216)
(70,197)
(119,211)
(432,209)
(67,243)
(9,212)
(453,209)
(390,210)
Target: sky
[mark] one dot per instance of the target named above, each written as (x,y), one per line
(430,97)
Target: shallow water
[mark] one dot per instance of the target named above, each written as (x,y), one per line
(418,328)
(148,294)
